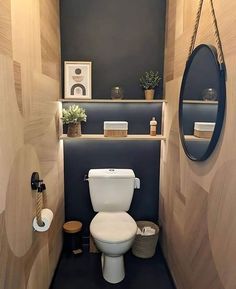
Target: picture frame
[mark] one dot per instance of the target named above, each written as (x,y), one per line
(78,79)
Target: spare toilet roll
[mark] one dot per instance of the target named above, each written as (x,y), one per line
(47,216)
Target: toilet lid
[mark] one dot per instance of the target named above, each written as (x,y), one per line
(113,227)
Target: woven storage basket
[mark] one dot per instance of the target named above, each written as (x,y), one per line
(145,246)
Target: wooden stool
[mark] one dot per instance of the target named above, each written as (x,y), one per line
(72,237)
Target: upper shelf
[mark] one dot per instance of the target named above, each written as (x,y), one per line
(112,101)
(200,101)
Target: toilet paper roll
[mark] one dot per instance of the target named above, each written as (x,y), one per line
(47,216)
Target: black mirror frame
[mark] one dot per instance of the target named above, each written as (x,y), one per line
(221,104)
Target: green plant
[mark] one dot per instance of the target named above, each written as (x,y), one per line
(149,80)
(73,114)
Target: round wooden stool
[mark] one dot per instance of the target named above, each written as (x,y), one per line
(72,237)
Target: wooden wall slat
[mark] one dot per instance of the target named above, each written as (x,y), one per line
(5,27)
(50,38)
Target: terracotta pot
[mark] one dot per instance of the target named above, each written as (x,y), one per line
(74,129)
(149,94)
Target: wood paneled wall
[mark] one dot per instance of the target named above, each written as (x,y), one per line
(198,199)
(29,90)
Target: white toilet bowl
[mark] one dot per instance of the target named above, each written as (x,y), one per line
(113,233)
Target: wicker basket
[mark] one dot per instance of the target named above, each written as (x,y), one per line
(145,246)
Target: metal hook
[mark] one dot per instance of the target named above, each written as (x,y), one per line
(35,181)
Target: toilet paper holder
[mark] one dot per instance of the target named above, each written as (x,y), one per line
(44,216)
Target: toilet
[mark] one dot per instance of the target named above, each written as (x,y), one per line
(113,229)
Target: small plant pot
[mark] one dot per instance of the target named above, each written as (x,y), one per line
(74,129)
(149,94)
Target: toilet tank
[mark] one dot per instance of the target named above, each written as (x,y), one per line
(111,189)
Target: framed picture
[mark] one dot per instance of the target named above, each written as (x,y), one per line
(77,76)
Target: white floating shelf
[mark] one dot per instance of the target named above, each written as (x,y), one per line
(129,137)
(200,102)
(194,138)
(111,100)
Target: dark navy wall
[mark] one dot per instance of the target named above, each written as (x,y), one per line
(138,116)
(141,156)
(122,38)
(197,113)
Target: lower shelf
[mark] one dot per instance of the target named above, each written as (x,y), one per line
(194,138)
(129,137)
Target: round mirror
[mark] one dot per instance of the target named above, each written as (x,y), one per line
(202,103)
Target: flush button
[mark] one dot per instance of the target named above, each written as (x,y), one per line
(111,170)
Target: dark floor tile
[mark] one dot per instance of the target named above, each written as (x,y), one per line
(84,272)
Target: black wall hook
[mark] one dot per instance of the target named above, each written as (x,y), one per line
(36,182)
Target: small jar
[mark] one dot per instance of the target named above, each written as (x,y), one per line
(209,94)
(117,92)
(153,127)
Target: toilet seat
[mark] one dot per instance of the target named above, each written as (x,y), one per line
(113,227)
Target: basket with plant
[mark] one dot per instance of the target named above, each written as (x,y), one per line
(72,117)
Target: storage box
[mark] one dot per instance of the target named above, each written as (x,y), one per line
(204,129)
(115,128)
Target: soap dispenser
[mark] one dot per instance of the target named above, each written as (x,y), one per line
(153,127)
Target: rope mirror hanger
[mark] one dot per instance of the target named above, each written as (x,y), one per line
(216,33)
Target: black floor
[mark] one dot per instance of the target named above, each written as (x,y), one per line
(84,272)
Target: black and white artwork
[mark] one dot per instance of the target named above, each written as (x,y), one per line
(78,79)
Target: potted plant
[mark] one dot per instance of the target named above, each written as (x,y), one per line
(72,116)
(149,81)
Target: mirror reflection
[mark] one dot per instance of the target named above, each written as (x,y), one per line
(202,101)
